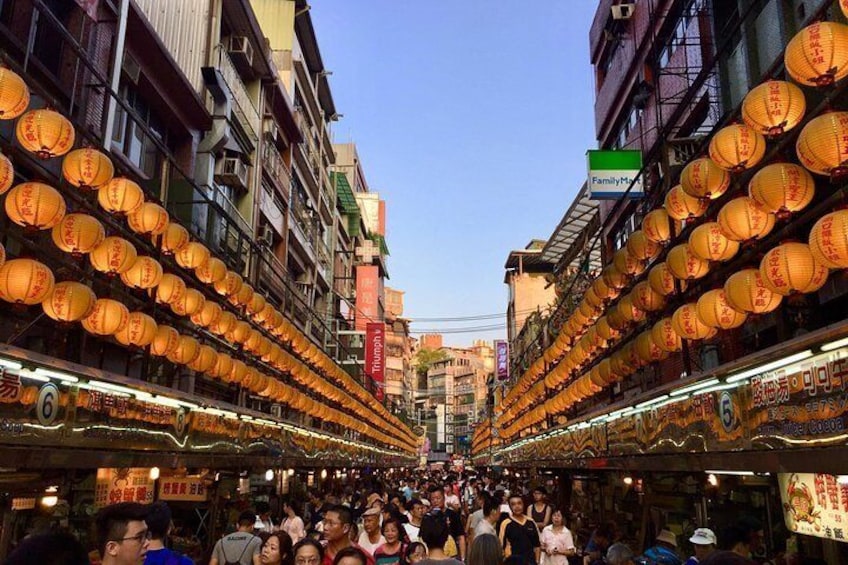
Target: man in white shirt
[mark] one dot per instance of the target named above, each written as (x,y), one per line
(491,515)
(416,513)
(371,538)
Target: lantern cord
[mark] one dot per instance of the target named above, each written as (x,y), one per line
(15,337)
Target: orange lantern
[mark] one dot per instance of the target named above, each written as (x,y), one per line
(602,289)
(657,226)
(702,178)
(791,267)
(257,303)
(646,298)
(25,281)
(45,133)
(206,359)
(87,168)
(665,337)
(243,296)
(145,273)
(684,265)
(265,315)
(823,144)
(681,206)
(7,171)
(78,234)
(647,349)
(14,94)
(224,324)
(742,219)
(170,289)
(35,206)
(616,319)
(108,317)
(120,196)
(223,366)
(148,219)
(212,271)
(230,285)
(818,54)
(188,349)
(709,243)
(641,247)
(626,263)
(189,303)
(605,331)
(113,256)
(843,5)
(591,312)
(774,107)
(716,312)
(192,255)
(662,281)
(69,302)
(165,341)
(613,277)
(628,310)
(688,325)
(745,291)
(140,330)
(782,188)
(592,298)
(208,315)
(737,147)
(829,240)
(239,332)
(173,238)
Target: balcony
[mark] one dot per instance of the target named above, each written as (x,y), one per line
(273,164)
(243,106)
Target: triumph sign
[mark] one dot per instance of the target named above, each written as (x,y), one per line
(375,366)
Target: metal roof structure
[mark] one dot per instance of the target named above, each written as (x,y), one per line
(575,234)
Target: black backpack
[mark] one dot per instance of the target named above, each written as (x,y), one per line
(238,559)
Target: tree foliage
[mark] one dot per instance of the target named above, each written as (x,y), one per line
(425,358)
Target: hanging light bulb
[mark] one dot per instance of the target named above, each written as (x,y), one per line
(269,475)
(154,473)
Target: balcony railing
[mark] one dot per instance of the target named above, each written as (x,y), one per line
(273,162)
(243,106)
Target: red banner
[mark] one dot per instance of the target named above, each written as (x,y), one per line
(367,295)
(375,366)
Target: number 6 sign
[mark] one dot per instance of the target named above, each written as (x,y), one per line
(48,404)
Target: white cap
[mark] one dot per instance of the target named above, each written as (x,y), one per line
(703,536)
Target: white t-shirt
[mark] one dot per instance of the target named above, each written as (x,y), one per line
(365,543)
(294,528)
(561,540)
(412,531)
(452,501)
(484,527)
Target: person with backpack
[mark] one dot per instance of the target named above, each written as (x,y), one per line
(159,525)
(240,547)
(664,551)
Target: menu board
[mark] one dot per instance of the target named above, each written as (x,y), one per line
(815,504)
(123,485)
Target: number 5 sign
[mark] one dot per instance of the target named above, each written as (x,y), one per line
(48,404)
(727,412)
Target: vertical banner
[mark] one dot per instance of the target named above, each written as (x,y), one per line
(367,296)
(375,341)
(501,360)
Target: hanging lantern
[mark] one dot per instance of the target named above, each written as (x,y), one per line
(782,188)
(2,255)
(628,310)
(665,337)
(140,330)
(206,359)
(616,319)
(818,54)
(45,133)
(605,331)
(737,147)
(265,316)
(843,5)
(592,298)
(688,325)
(173,238)
(657,226)
(208,315)
(256,304)
(189,303)
(745,291)
(243,296)
(148,219)
(113,256)
(145,273)
(709,243)
(230,285)
(591,312)
(14,94)
(25,281)
(647,349)
(641,247)
(192,255)
(165,341)
(646,298)
(223,366)
(774,107)
(684,265)
(120,196)
(78,234)
(742,219)
(702,178)
(602,289)
(823,144)
(170,289)
(239,332)
(681,206)
(212,271)
(614,278)
(87,168)
(239,371)
(626,263)
(108,317)
(791,267)
(35,206)
(69,302)
(716,312)
(7,172)
(829,240)
(226,321)
(188,349)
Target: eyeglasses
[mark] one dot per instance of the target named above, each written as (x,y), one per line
(307,560)
(140,537)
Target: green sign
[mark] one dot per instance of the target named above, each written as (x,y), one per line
(614,173)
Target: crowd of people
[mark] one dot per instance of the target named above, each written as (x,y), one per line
(426,519)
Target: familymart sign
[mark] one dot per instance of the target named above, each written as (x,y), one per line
(612,172)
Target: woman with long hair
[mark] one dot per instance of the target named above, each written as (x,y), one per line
(277,550)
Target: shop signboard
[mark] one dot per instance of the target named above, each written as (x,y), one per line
(502,360)
(367,296)
(123,485)
(190,489)
(375,366)
(613,172)
(31,412)
(815,504)
(623,435)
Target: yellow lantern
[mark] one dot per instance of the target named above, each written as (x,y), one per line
(737,147)
(657,226)
(662,281)
(238,372)
(626,263)
(665,337)
(605,331)
(140,330)
(208,315)
(688,325)
(613,277)
(641,247)
(69,302)
(188,349)
(592,298)
(646,298)
(87,168)
(256,304)
(616,319)
(45,133)
(170,289)
(223,366)
(108,317)
(829,240)
(716,312)
(7,172)
(709,243)
(647,349)
(702,178)
(120,196)
(145,273)
(591,312)
(35,206)
(212,271)
(742,219)
(78,234)
(682,206)
(818,54)
(14,94)
(206,359)
(192,255)
(265,315)
(224,324)
(774,107)
(189,303)
(25,281)
(782,188)
(113,256)
(602,289)
(684,265)
(243,296)
(628,310)
(148,219)
(230,285)
(745,291)
(823,144)
(791,267)
(165,341)
(239,332)
(173,238)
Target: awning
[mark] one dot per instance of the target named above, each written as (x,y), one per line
(344,193)
(575,235)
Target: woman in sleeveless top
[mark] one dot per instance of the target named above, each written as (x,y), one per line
(540,512)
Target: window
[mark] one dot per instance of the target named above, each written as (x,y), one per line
(129,137)
(677,36)
(628,227)
(628,127)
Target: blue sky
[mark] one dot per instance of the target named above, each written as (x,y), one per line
(472,118)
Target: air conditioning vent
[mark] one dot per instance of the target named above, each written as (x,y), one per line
(622,11)
(240,50)
(231,171)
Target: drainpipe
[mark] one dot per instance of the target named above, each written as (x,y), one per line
(117,64)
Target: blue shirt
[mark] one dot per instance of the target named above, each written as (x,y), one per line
(165,556)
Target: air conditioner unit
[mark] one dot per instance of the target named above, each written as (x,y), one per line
(272,132)
(622,11)
(231,171)
(240,50)
(266,235)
